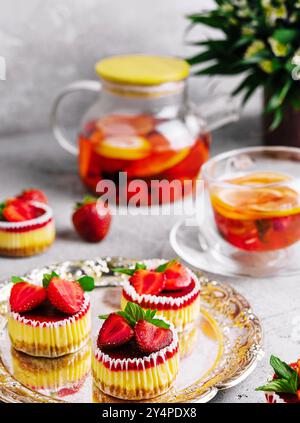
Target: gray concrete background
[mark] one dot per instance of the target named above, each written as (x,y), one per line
(47,44)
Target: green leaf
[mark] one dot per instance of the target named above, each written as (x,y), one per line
(164,266)
(279,385)
(278,98)
(285,35)
(140,266)
(87,283)
(278,116)
(135,311)
(103,316)
(2,207)
(128,317)
(17,279)
(202,57)
(47,278)
(124,271)
(209,19)
(281,368)
(160,323)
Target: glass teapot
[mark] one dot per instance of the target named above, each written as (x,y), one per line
(143,125)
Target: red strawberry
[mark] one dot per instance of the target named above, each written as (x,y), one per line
(25,296)
(177,277)
(147,281)
(151,338)
(92,220)
(66,296)
(114,332)
(16,210)
(33,195)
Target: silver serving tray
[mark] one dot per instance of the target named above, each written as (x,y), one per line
(220,352)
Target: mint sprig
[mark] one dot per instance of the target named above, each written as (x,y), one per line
(133,313)
(164,266)
(130,272)
(2,207)
(16,279)
(287,380)
(47,278)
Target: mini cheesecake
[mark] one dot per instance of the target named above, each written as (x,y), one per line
(180,305)
(28,237)
(51,320)
(143,367)
(60,376)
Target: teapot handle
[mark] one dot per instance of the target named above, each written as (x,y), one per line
(218,111)
(86,85)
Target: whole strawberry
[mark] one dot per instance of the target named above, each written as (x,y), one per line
(32,194)
(92,219)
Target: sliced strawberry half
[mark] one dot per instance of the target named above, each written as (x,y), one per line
(33,195)
(177,277)
(17,210)
(25,296)
(114,332)
(66,296)
(151,338)
(147,281)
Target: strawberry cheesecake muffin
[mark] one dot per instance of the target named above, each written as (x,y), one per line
(26,225)
(284,387)
(136,356)
(58,377)
(171,289)
(50,320)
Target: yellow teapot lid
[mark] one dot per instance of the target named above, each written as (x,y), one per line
(142,69)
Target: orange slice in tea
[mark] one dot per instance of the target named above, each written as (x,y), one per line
(126,124)
(124,147)
(156,163)
(256,202)
(260,178)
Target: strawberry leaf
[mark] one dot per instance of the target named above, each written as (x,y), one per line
(2,207)
(47,278)
(17,279)
(140,266)
(87,283)
(103,316)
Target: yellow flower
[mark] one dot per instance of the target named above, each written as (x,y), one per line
(266,66)
(247,30)
(279,49)
(254,48)
(273,13)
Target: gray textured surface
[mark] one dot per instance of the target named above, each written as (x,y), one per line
(36,160)
(47,44)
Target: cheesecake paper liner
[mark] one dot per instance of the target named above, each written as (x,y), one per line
(50,339)
(113,377)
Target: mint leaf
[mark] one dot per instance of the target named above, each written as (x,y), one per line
(123,270)
(103,316)
(279,385)
(135,311)
(150,314)
(282,369)
(140,266)
(2,207)
(47,278)
(87,283)
(164,266)
(128,317)
(16,279)
(159,323)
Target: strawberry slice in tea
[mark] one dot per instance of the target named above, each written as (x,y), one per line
(257,212)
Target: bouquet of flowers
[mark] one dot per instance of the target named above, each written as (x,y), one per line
(261,39)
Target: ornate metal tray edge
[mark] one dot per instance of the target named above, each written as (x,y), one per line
(233,305)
